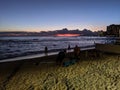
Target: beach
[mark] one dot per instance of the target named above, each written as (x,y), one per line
(89,73)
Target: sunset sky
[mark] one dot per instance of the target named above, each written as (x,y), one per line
(43,15)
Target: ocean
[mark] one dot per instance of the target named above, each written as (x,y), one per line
(11,47)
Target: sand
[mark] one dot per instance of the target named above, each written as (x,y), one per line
(88,74)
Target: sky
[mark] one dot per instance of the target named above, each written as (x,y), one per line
(48,15)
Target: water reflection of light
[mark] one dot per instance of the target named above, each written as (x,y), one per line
(67,35)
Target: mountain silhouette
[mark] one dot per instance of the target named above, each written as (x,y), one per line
(84,32)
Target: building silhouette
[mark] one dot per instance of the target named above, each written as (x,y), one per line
(113,30)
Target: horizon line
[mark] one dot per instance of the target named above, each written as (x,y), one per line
(49,30)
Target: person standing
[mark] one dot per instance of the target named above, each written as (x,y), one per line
(46,50)
(69,47)
(76,52)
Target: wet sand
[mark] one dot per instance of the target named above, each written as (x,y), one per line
(97,73)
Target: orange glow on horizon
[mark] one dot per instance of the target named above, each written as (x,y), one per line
(67,35)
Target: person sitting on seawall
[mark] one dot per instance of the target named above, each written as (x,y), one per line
(61,55)
(76,52)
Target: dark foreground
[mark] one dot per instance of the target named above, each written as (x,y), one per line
(89,73)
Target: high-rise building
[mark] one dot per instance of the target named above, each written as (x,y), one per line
(113,30)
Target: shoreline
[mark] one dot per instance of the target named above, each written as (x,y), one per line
(39,52)
(50,53)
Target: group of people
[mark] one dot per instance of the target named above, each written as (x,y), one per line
(62,54)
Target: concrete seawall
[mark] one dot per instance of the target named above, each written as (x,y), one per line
(109,48)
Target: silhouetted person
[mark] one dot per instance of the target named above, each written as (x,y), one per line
(46,50)
(76,52)
(68,47)
(60,57)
